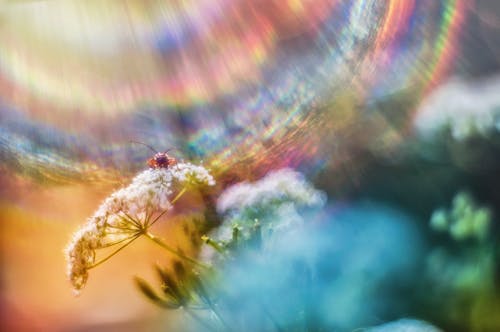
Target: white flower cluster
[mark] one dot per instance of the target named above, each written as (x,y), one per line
(277,187)
(80,253)
(126,213)
(270,203)
(194,175)
(150,189)
(466,108)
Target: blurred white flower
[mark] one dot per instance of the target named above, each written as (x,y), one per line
(465,108)
(268,205)
(127,214)
(192,175)
(277,187)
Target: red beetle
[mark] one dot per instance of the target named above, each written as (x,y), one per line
(160,159)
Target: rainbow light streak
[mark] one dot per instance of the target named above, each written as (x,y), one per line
(242,86)
(202,50)
(395,26)
(250,78)
(453,15)
(452,18)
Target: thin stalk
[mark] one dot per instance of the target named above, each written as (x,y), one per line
(211,305)
(110,244)
(216,313)
(149,214)
(271,317)
(149,224)
(179,195)
(213,244)
(114,253)
(156,219)
(199,320)
(165,246)
(125,229)
(133,220)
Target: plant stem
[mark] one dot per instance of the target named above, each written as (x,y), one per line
(266,312)
(134,221)
(114,253)
(149,224)
(179,195)
(165,246)
(155,220)
(200,320)
(216,313)
(213,244)
(111,244)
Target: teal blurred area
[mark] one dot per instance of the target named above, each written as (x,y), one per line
(350,266)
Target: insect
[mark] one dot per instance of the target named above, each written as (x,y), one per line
(160,159)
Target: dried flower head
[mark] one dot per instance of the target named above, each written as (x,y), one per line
(127,214)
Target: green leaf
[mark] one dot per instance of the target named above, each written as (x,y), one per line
(169,286)
(179,270)
(148,291)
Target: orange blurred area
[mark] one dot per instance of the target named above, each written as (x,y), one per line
(36,225)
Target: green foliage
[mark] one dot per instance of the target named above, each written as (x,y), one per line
(464,220)
(147,290)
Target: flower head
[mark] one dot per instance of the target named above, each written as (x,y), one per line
(128,213)
(466,108)
(264,207)
(192,175)
(275,188)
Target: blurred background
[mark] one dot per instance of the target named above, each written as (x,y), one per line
(396,102)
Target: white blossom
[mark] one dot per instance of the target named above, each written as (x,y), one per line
(269,204)
(280,186)
(127,213)
(192,175)
(81,253)
(466,108)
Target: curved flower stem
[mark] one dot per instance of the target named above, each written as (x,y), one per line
(114,252)
(165,246)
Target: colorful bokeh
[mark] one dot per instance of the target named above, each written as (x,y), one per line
(255,73)
(244,87)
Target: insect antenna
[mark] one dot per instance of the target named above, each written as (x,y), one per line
(149,146)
